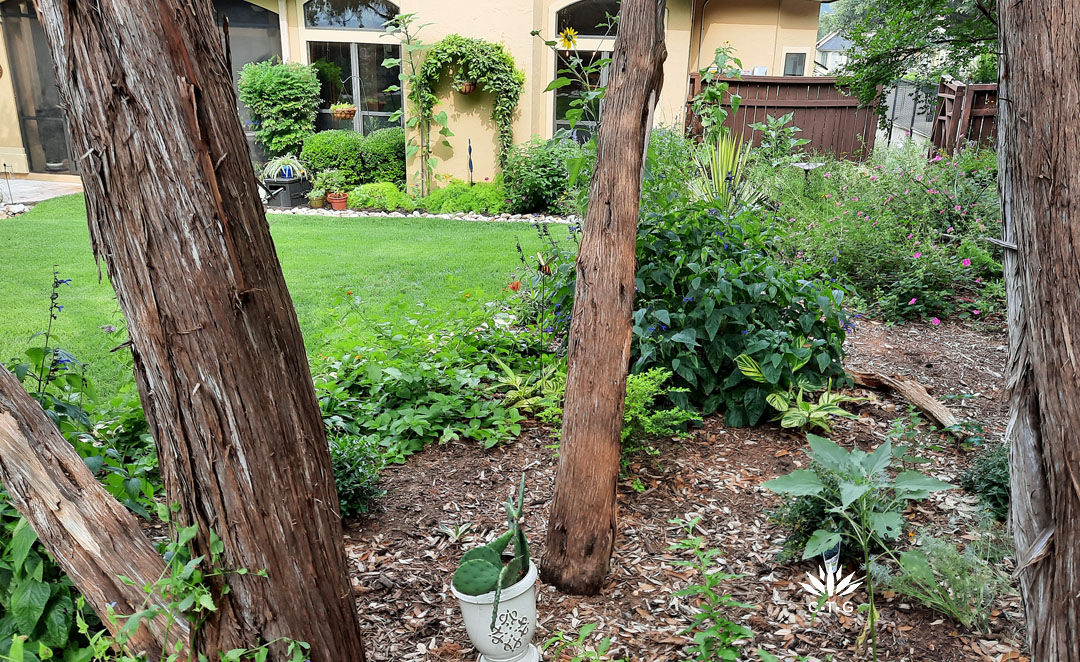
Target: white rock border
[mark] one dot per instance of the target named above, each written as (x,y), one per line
(500,218)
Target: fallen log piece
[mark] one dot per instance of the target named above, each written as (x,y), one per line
(916,394)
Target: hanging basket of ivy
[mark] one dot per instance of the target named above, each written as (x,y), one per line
(476,64)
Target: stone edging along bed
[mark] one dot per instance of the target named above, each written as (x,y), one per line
(498,218)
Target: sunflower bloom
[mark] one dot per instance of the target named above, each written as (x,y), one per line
(568,38)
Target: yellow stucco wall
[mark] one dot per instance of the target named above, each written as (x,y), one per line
(762,32)
(12,153)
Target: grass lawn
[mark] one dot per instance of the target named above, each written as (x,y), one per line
(391,263)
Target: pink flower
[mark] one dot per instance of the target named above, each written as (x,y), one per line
(918,255)
(828,175)
(855,198)
(950,229)
(978,280)
(873,178)
(910,236)
(966,262)
(956,208)
(974,312)
(828,195)
(913,300)
(935,321)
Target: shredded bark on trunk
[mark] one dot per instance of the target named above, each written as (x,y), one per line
(581,526)
(1039,159)
(89,533)
(219,360)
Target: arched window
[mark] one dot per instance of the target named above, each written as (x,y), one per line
(349,14)
(591,18)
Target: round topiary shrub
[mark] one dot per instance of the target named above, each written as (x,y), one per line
(339,149)
(283,99)
(384,156)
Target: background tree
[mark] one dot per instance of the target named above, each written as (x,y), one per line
(1039,165)
(218,357)
(919,40)
(581,524)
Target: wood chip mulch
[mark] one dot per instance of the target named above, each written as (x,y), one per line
(404,553)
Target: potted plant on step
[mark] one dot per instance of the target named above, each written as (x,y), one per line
(316,198)
(336,185)
(285,178)
(497,592)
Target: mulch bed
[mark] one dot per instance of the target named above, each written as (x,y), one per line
(403,556)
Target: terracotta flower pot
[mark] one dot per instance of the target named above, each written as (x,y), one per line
(338,201)
(467,87)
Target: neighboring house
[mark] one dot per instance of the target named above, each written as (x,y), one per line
(771,37)
(832,53)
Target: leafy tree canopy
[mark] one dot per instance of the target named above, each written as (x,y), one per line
(918,40)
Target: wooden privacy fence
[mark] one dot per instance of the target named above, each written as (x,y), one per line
(965,113)
(830,118)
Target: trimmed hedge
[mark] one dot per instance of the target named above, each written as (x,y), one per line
(384,156)
(339,149)
(378,157)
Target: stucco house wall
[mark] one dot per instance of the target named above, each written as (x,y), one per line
(762,32)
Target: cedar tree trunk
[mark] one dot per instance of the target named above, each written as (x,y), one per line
(218,356)
(1039,157)
(581,524)
(93,538)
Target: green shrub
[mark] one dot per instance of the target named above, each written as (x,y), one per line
(336,150)
(457,196)
(356,462)
(669,165)
(903,231)
(535,176)
(643,419)
(424,381)
(332,181)
(960,585)
(709,290)
(384,156)
(283,99)
(989,478)
(382,196)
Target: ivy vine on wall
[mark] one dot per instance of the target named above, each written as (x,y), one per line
(489,66)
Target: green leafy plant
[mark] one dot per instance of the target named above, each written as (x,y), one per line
(709,105)
(960,585)
(482,569)
(574,649)
(283,99)
(779,146)
(989,478)
(356,462)
(457,197)
(797,412)
(490,66)
(715,637)
(383,153)
(536,175)
(286,166)
(644,420)
(869,504)
(337,150)
(721,180)
(381,195)
(404,29)
(528,391)
(332,181)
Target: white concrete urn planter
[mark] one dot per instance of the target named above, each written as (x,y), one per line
(515,624)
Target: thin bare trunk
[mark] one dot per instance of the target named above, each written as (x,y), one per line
(581,525)
(1039,157)
(89,533)
(218,356)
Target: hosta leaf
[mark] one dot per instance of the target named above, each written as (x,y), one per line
(800,482)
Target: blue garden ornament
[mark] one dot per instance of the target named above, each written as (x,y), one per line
(470,163)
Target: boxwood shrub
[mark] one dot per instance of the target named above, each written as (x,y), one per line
(339,149)
(380,195)
(384,156)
